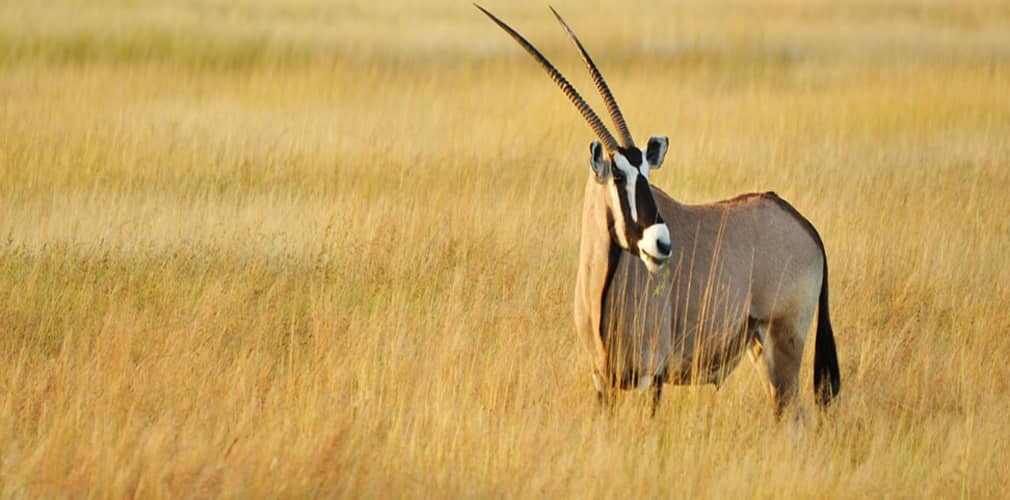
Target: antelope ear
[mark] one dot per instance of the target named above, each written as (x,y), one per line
(599,162)
(656,151)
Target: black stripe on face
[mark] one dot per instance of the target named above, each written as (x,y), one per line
(633,155)
(622,194)
(648,214)
(632,231)
(645,207)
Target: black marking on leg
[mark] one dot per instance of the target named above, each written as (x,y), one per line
(657,390)
(629,379)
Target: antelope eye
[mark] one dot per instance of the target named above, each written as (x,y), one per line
(619,178)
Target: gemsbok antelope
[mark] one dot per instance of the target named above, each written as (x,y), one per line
(675,293)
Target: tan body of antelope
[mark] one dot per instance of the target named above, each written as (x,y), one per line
(676,293)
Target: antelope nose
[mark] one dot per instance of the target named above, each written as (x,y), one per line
(663,247)
(656,242)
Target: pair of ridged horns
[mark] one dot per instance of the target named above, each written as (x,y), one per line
(601,85)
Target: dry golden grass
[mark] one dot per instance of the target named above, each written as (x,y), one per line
(327,248)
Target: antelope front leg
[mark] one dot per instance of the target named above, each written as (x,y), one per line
(657,392)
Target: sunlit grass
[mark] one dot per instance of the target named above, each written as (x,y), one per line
(297,248)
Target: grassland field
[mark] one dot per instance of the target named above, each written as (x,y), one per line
(261,249)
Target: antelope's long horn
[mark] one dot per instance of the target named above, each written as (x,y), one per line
(587,112)
(601,85)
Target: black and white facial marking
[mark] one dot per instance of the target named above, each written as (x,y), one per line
(637,225)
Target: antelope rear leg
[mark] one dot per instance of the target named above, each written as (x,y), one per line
(782,347)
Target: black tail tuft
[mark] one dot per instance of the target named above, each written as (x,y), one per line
(827,379)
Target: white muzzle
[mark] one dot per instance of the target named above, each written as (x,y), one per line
(654,247)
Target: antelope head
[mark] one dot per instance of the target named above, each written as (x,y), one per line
(620,168)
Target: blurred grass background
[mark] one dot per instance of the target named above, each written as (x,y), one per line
(268,248)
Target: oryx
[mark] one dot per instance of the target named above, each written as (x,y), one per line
(668,292)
